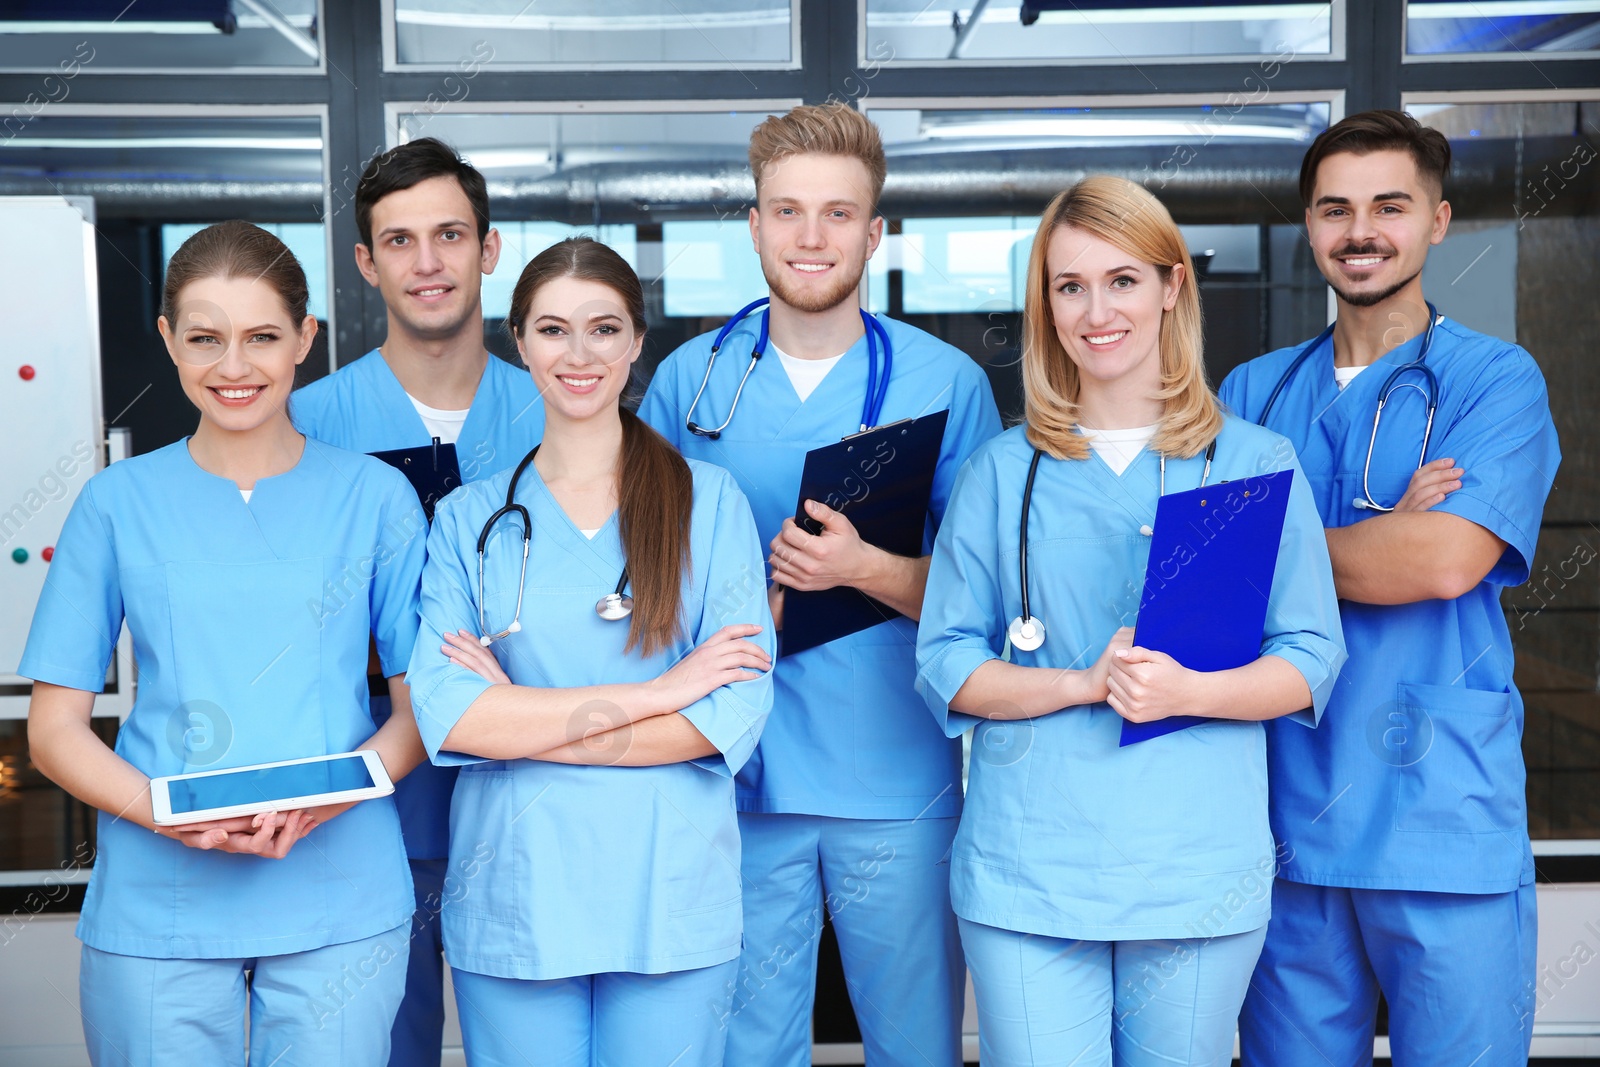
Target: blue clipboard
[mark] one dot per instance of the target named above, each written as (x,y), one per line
(882,480)
(1207,584)
(432,471)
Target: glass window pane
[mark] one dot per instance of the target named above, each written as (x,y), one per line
(71,37)
(902,31)
(669,191)
(624,33)
(1518,263)
(966,186)
(1511,27)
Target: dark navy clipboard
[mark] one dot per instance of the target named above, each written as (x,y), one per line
(1208,581)
(883,481)
(432,471)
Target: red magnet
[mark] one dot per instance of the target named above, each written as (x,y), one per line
(47,553)
(26,372)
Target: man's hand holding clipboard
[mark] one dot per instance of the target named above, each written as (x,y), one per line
(870,489)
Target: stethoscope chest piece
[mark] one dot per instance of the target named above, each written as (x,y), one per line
(614,606)
(1026,634)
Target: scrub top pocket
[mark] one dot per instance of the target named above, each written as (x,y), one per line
(1460,785)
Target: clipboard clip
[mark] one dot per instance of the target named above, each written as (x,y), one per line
(874,429)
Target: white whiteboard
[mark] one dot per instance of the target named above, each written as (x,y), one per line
(50,406)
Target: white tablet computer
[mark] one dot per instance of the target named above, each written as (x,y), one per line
(300,783)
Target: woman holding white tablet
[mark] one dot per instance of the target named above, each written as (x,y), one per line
(598,743)
(252,566)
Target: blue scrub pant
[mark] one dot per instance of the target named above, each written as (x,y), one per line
(326,1005)
(1055,1002)
(886,885)
(616,1019)
(417,1039)
(1457,970)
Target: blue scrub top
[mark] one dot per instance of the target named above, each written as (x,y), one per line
(849,737)
(1415,780)
(561,870)
(1065,834)
(250,627)
(363,407)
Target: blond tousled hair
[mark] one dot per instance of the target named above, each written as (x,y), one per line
(833,129)
(1128,216)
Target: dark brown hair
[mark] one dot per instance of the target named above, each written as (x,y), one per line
(655,491)
(410,164)
(236,250)
(1379,131)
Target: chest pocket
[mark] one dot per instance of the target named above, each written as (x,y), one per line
(247,644)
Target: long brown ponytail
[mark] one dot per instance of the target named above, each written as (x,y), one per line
(655,491)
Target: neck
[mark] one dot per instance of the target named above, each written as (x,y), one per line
(816,334)
(245,456)
(441,372)
(1363,335)
(1122,404)
(581,453)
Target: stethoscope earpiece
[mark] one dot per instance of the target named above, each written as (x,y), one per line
(1147,530)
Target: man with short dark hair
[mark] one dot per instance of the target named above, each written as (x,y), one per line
(426,244)
(1403,817)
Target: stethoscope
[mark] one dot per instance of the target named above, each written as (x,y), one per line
(1026,632)
(877,389)
(1430,396)
(611,607)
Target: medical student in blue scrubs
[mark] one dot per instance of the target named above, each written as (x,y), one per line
(598,917)
(1406,813)
(1112,900)
(851,801)
(221,552)
(425,245)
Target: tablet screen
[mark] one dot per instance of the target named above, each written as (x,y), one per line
(268,783)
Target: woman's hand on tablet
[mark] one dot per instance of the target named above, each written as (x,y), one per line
(270,834)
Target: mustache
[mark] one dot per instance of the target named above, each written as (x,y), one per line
(1369,249)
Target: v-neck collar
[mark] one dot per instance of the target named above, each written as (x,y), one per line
(470,426)
(599,547)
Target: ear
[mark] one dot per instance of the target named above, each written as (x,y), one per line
(364,263)
(1174,286)
(874,234)
(638,349)
(491,250)
(169,338)
(522,353)
(1441,222)
(755,230)
(308,333)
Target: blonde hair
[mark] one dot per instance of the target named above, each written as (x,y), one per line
(834,129)
(1126,215)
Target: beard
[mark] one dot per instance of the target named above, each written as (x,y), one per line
(784,288)
(1366,300)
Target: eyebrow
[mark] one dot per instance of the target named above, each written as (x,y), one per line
(601,317)
(448,224)
(1396,195)
(1125,269)
(779,201)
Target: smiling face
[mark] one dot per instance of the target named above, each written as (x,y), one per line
(579,344)
(1370,223)
(814,229)
(236,349)
(1107,306)
(426,260)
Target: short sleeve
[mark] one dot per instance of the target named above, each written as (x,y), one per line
(1302,624)
(659,407)
(395,588)
(734,591)
(441,691)
(960,628)
(1505,442)
(79,614)
(974,419)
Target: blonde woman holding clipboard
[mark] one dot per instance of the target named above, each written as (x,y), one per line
(1112,900)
